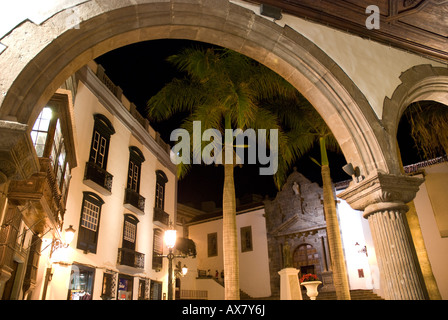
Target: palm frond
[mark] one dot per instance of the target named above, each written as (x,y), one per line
(199,63)
(177,96)
(429,128)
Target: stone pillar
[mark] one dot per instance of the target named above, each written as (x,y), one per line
(289,284)
(383,198)
(393,247)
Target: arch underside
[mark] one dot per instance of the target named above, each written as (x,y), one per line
(52,51)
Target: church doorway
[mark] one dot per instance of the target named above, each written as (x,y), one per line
(306,259)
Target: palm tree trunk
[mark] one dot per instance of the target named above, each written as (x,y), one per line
(334,237)
(230,244)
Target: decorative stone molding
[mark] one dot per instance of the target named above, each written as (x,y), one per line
(17,156)
(381,190)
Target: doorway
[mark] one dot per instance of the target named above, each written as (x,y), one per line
(306,258)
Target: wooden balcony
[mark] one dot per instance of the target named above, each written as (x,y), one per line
(131,258)
(134,201)
(40,198)
(98,178)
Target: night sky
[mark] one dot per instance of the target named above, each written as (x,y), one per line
(141,71)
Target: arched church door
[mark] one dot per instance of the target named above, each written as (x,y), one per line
(306,259)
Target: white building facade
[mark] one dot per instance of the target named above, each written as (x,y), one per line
(122,197)
(206,271)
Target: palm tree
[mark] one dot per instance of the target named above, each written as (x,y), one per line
(306,128)
(429,127)
(222,89)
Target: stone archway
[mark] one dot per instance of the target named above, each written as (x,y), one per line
(386,206)
(420,83)
(38,58)
(423,82)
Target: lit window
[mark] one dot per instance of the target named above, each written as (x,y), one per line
(130,230)
(40,130)
(90,214)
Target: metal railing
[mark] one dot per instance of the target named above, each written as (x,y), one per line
(135,199)
(131,258)
(98,175)
(194,294)
(161,216)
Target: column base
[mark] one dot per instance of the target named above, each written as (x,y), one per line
(289,284)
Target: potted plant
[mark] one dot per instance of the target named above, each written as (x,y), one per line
(310,282)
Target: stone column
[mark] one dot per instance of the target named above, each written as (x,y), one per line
(383,198)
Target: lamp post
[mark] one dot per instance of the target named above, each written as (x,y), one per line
(170,238)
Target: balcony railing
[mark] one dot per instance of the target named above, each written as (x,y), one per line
(131,258)
(194,294)
(161,216)
(135,200)
(99,176)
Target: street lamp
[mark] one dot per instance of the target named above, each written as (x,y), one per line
(170,238)
(58,243)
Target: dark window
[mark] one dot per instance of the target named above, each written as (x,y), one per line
(161,180)
(107,292)
(129,231)
(155,290)
(142,289)
(157,250)
(246,239)
(89,222)
(212,244)
(134,171)
(99,148)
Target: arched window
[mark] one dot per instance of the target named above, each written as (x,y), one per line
(129,231)
(99,148)
(157,261)
(95,171)
(89,222)
(161,180)
(136,159)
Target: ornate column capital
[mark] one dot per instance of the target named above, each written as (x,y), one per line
(381,191)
